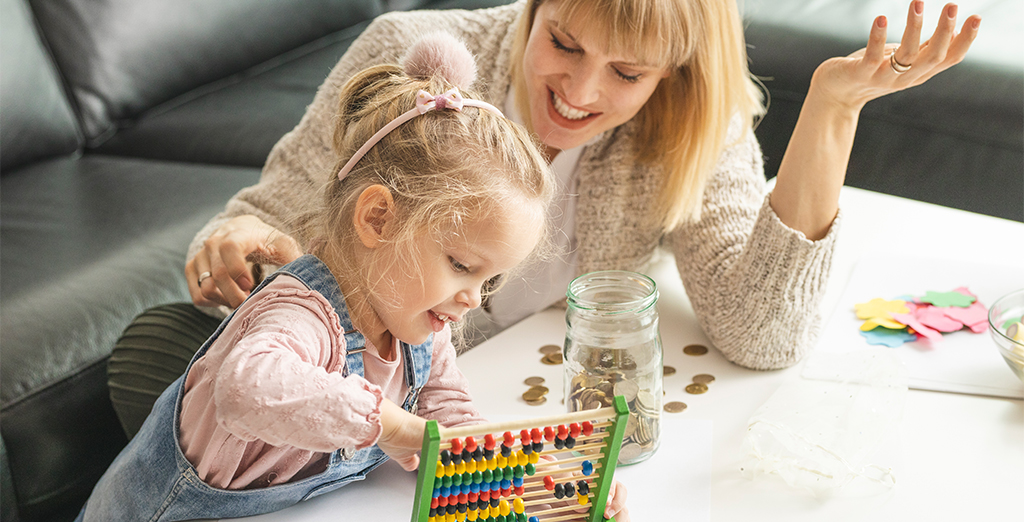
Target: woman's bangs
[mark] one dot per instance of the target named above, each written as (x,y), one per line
(655,33)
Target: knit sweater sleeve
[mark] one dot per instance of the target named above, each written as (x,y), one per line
(754,283)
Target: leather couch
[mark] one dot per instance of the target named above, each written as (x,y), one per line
(126,124)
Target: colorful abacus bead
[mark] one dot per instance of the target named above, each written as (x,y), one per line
(570,489)
(570,442)
(549,483)
(549,433)
(588,428)
(574,430)
(559,490)
(588,467)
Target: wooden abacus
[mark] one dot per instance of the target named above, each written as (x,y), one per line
(475,473)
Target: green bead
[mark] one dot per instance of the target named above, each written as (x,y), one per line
(488,476)
(456,480)
(508,474)
(446,481)
(477,477)
(531,469)
(517,472)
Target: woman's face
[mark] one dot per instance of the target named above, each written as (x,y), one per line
(575,90)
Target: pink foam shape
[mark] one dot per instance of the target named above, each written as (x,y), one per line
(934,317)
(970,316)
(912,322)
(979,327)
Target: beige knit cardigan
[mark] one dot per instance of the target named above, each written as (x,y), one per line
(755,284)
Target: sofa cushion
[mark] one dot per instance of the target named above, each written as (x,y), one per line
(122,57)
(36,120)
(957,140)
(88,243)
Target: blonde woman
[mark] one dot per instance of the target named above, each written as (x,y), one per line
(644,109)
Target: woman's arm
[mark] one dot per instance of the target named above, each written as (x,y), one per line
(806,194)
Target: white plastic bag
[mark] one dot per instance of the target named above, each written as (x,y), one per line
(819,428)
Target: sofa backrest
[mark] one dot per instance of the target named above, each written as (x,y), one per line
(36,120)
(121,57)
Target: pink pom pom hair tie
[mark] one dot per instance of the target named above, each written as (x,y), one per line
(425,102)
(435,53)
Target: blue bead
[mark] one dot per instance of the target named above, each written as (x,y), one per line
(517,482)
(588,468)
(505,484)
(445,491)
(465,489)
(474,488)
(534,519)
(437,493)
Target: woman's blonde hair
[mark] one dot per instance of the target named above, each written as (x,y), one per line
(444,168)
(683,126)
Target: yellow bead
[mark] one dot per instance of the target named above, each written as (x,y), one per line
(460,516)
(521,459)
(583,499)
(450,517)
(449,470)
(518,506)
(502,462)
(492,464)
(534,457)
(470,466)
(439,472)
(473,513)
(494,511)
(503,507)
(460,468)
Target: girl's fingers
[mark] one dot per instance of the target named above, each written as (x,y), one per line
(911,41)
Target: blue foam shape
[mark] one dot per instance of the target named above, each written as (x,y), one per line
(886,337)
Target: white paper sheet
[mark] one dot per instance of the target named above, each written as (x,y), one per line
(961,362)
(678,474)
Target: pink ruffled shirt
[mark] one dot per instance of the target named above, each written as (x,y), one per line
(267,404)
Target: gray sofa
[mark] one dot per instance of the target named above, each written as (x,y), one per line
(126,124)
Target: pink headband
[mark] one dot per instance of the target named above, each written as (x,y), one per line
(424,103)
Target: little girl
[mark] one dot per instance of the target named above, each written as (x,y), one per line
(437,195)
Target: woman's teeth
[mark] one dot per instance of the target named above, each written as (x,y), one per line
(567,111)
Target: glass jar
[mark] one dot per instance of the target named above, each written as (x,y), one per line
(613,347)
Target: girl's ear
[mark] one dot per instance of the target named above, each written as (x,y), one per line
(375,209)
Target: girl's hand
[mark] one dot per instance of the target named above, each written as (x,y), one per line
(225,260)
(616,505)
(402,437)
(867,74)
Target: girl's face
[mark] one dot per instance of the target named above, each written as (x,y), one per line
(576,91)
(413,304)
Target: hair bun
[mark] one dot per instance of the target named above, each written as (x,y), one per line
(441,54)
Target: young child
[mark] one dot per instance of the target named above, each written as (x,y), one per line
(350,347)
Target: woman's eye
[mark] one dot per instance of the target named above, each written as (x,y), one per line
(457,266)
(626,77)
(558,45)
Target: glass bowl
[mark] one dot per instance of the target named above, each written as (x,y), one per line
(1006,311)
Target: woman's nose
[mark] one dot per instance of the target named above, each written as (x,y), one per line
(581,85)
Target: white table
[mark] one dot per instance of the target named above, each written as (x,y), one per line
(956,457)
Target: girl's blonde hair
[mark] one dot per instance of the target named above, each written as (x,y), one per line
(444,168)
(683,126)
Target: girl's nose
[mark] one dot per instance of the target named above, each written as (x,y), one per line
(469,297)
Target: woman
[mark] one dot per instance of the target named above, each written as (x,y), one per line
(649,133)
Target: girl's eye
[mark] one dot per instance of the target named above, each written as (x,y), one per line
(558,45)
(625,77)
(457,266)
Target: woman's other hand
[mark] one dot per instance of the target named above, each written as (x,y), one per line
(226,260)
(869,73)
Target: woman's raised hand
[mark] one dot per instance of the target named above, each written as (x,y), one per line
(221,272)
(875,71)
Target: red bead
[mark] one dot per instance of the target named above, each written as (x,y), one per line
(506,492)
(485,495)
(442,501)
(463,498)
(473,497)
(471,444)
(562,431)
(520,490)
(456,446)
(574,430)
(453,500)
(489,441)
(549,433)
(433,503)
(509,439)
(535,435)
(588,428)
(524,436)
(549,483)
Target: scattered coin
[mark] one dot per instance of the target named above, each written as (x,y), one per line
(696,388)
(552,358)
(550,348)
(704,378)
(668,370)
(675,406)
(535,393)
(534,381)
(695,349)
(537,402)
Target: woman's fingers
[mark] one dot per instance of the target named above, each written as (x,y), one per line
(876,49)
(230,272)
(939,43)
(910,44)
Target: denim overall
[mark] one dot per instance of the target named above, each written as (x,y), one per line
(152,480)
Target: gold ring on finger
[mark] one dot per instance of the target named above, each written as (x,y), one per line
(895,64)
(202,277)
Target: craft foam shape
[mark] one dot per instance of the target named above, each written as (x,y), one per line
(879,307)
(948,299)
(974,314)
(887,337)
(884,322)
(912,322)
(933,317)
(609,426)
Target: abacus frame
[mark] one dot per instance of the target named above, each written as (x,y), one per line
(433,436)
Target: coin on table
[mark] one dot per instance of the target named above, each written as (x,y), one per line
(704,378)
(534,381)
(696,388)
(550,348)
(668,370)
(695,349)
(675,406)
(537,402)
(535,393)
(552,359)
